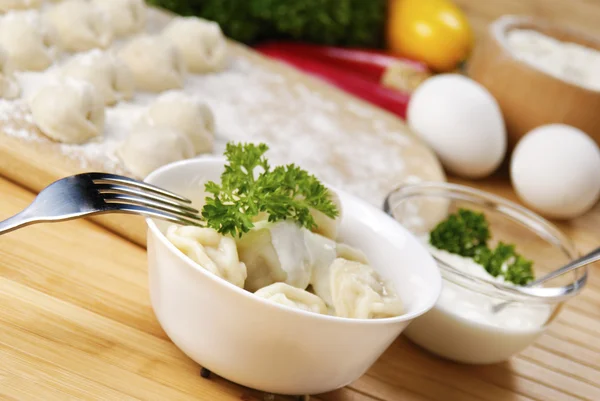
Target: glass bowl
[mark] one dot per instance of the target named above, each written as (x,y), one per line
(462,326)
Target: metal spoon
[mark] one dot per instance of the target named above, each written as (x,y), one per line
(585,260)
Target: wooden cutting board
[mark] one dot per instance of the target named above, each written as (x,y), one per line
(343,140)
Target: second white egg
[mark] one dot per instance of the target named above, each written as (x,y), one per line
(555,170)
(462,122)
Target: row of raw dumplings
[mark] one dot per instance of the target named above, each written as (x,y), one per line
(173,128)
(34,39)
(292,266)
(31,41)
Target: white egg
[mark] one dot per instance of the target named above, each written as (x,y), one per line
(461,121)
(555,170)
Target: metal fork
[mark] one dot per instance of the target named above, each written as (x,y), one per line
(99,193)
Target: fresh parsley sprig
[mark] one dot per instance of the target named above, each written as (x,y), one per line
(249,186)
(466,233)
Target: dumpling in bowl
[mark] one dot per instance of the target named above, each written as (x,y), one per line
(327,226)
(358,292)
(211,250)
(323,252)
(345,251)
(275,252)
(292,297)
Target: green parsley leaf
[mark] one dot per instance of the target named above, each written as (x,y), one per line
(250,186)
(462,233)
(466,233)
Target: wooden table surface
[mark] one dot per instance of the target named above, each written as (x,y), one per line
(76,322)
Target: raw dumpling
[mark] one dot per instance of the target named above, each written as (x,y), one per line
(191,117)
(29,42)
(8,5)
(275,252)
(156,63)
(126,16)
(200,42)
(211,250)
(325,225)
(150,147)
(358,292)
(80,25)
(292,297)
(111,77)
(9,88)
(69,111)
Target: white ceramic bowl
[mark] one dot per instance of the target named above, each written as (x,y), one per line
(266,346)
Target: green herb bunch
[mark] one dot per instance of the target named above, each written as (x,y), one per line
(357,23)
(249,186)
(466,233)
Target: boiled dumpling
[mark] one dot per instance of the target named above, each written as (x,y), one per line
(8,5)
(156,63)
(29,42)
(326,225)
(285,294)
(350,253)
(323,251)
(275,252)
(69,111)
(126,16)
(189,116)
(9,88)
(80,26)
(358,292)
(211,250)
(111,77)
(200,42)
(150,147)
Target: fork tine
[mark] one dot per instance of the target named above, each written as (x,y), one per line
(132,200)
(102,178)
(141,210)
(121,190)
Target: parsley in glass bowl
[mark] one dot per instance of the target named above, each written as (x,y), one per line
(488,250)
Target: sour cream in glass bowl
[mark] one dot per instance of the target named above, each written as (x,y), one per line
(268,346)
(462,326)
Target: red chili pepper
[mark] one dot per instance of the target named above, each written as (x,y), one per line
(388,99)
(369,63)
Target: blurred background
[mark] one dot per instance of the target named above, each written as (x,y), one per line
(509,86)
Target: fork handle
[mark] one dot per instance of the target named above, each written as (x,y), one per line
(15,222)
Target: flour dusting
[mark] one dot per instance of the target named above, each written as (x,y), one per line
(344,143)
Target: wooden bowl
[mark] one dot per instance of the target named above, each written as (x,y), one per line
(528,96)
